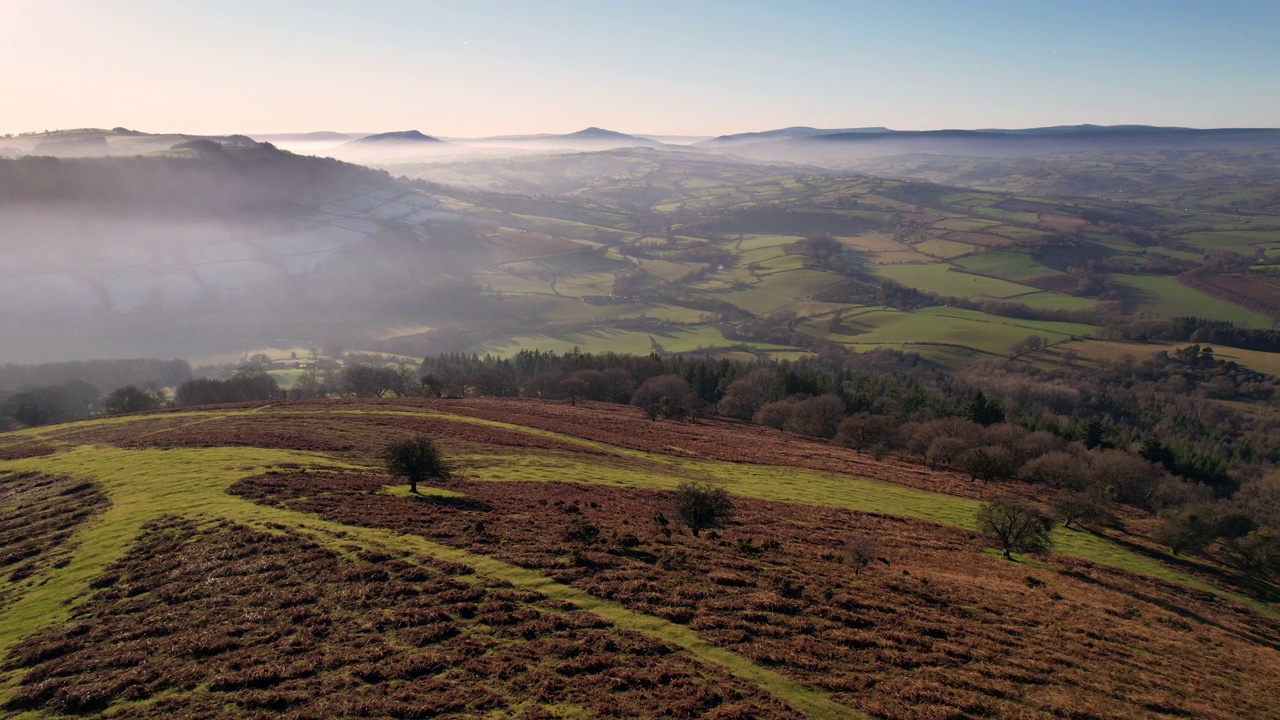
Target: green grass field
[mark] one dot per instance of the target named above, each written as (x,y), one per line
(634,342)
(945,280)
(1164,296)
(940,325)
(943,249)
(965,224)
(1011,266)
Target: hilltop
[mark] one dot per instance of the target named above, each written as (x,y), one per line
(403,136)
(540,582)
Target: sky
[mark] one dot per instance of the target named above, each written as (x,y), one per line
(689,67)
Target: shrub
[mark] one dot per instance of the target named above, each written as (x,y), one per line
(701,505)
(861,552)
(580,531)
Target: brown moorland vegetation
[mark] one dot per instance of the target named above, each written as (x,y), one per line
(935,629)
(38,514)
(201,620)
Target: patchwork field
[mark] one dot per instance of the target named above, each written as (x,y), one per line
(256,561)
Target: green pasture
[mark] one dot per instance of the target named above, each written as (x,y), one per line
(1012,266)
(605,339)
(1258,360)
(572,263)
(1050,300)
(754,300)
(943,249)
(756,242)
(967,198)
(667,270)
(1242,242)
(965,224)
(940,325)
(943,279)
(780,264)
(799,284)
(1017,233)
(1006,216)
(873,242)
(586,284)
(507,283)
(1164,296)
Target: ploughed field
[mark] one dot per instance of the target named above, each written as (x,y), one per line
(254,561)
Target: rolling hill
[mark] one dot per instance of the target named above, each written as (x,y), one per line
(833,147)
(255,560)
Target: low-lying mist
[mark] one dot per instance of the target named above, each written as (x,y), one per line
(199,253)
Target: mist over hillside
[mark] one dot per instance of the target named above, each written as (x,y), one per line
(205,247)
(178,245)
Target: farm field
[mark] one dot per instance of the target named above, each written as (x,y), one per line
(255,559)
(942,326)
(1164,296)
(946,280)
(1111,350)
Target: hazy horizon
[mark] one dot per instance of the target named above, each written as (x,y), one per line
(503,67)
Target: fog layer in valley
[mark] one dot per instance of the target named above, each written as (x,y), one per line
(208,250)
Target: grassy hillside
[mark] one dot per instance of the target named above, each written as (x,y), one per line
(255,560)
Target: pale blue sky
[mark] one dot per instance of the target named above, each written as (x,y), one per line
(504,66)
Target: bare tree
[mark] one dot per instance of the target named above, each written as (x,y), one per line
(1016,526)
(861,551)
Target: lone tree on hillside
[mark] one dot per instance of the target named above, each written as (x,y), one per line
(416,459)
(130,399)
(861,551)
(1016,526)
(701,505)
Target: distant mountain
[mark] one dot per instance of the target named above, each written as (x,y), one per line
(785,134)
(595,133)
(402,136)
(810,145)
(592,138)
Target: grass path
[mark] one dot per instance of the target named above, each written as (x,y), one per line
(191,482)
